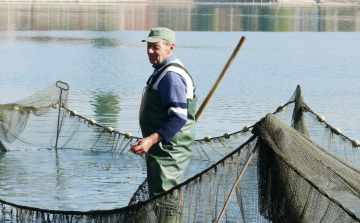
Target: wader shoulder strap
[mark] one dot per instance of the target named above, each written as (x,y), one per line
(152,79)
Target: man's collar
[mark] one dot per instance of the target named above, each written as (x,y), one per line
(164,62)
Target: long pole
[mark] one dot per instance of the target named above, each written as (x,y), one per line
(221,76)
(235,184)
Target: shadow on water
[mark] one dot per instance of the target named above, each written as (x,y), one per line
(183,17)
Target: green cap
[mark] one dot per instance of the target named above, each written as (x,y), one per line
(160,33)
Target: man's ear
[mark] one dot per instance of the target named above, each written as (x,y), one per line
(172,47)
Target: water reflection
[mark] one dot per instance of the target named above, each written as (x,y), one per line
(105,42)
(107,107)
(100,42)
(180,17)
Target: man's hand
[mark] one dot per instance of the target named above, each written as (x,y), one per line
(143,145)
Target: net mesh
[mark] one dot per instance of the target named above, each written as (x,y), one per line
(303,169)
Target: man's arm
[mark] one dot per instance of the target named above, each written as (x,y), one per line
(172,89)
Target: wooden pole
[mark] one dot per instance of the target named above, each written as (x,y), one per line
(222,74)
(235,184)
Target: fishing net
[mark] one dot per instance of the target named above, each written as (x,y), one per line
(301,168)
(50,124)
(14,116)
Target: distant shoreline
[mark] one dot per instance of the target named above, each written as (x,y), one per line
(343,3)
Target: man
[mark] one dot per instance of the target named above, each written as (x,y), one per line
(167,115)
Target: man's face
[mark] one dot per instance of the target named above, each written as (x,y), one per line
(158,52)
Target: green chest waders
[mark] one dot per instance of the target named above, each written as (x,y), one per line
(166,161)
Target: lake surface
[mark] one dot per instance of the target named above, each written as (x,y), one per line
(98,51)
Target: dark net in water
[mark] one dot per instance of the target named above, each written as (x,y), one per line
(302,169)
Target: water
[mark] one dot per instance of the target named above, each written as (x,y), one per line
(98,52)
(72,179)
(180,17)
(69,175)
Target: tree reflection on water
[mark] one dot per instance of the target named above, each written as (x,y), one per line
(107,108)
(183,17)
